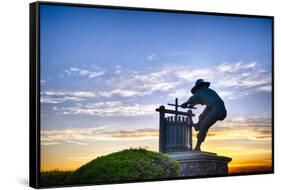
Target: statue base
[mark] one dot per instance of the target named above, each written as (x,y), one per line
(197,163)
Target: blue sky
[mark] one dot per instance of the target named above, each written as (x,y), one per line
(104,41)
(108,70)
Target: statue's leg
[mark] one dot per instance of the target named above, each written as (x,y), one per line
(205,124)
(201,117)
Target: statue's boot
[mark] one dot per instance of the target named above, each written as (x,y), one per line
(197,148)
(199,142)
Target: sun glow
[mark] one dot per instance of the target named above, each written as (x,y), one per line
(247,145)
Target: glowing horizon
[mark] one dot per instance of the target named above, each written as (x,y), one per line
(252,146)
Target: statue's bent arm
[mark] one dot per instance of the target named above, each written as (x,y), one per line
(193,100)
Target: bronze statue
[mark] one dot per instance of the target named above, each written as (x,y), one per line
(215,109)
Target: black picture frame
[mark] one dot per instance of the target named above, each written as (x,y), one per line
(34,86)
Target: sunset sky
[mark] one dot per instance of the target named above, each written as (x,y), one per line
(105,71)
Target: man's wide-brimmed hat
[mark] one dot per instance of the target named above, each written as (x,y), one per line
(199,84)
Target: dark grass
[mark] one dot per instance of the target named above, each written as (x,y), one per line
(126,165)
(53,178)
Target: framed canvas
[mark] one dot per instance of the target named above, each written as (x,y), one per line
(121,94)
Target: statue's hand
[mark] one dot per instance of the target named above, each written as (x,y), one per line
(190,106)
(184,105)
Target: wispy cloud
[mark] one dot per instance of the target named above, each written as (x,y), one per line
(243,122)
(178,53)
(180,93)
(265,88)
(118,69)
(122,93)
(139,133)
(232,81)
(242,128)
(229,75)
(152,57)
(134,84)
(107,109)
(189,74)
(243,75)
(154,81)
(253,129)
(90,73)
(84,136)
(57,100)
(55,97)
(234,67)
(81,94)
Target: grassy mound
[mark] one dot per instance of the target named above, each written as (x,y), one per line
(130,164)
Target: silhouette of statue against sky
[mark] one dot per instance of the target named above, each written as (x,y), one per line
(215,109)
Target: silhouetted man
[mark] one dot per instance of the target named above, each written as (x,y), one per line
(214,111)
